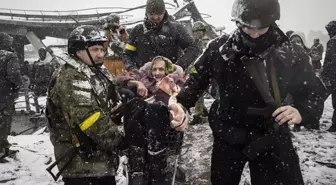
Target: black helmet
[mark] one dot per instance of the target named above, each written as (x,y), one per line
(83,37)
(289,33)
(256,13)
(199,26)
(331,28)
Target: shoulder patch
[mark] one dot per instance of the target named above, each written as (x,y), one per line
(82,84)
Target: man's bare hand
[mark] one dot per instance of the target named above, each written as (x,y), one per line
(179,117)
(287,114)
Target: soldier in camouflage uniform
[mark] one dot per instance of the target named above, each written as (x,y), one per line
(117,37)
(10,82)
(201,111)
(80,99)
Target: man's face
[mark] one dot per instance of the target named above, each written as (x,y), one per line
(199,34)
(158,70)
(316,42)
(297,40)
(97,53)
(255,33)
(155,18)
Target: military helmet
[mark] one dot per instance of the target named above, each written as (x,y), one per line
(113,19)
(42,53)
(83,37)
(256,14)
(331,27)
(199,26)
(6,40)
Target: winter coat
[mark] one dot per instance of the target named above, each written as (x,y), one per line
(115,47)
(302,42)
(10,76)
(329,65)
(316,52)
(145,76)
(144,44)
(79,102)
(221,62)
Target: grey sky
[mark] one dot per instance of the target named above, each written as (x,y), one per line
(299,15)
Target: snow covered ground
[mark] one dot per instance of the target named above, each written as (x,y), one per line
(36,153)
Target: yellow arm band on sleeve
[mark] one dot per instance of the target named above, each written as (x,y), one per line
(193,70)
(130,47)
(89,121)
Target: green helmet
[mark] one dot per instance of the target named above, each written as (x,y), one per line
(199,26)
(113,19)
(256,14)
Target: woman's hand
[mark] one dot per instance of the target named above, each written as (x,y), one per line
(287,114)
(179,118)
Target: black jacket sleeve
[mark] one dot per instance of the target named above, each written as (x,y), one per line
(130,51)
(329,65)
(13,70)
(199,79)
(187,43)
(306,88)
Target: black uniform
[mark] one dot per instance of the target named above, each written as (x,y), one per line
(10,82)
(167,40)
(329,66)
(234,129)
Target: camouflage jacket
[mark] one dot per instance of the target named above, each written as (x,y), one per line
(10,76)
(316,52)
(81,97)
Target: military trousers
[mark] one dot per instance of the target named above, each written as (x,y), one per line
(316,64)
(6,114)
(277,166)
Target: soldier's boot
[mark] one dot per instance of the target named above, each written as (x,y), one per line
(205,112)
(136,161)
(157,163)
(180,175)
(332,128)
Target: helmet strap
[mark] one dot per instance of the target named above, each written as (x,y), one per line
(93,63)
